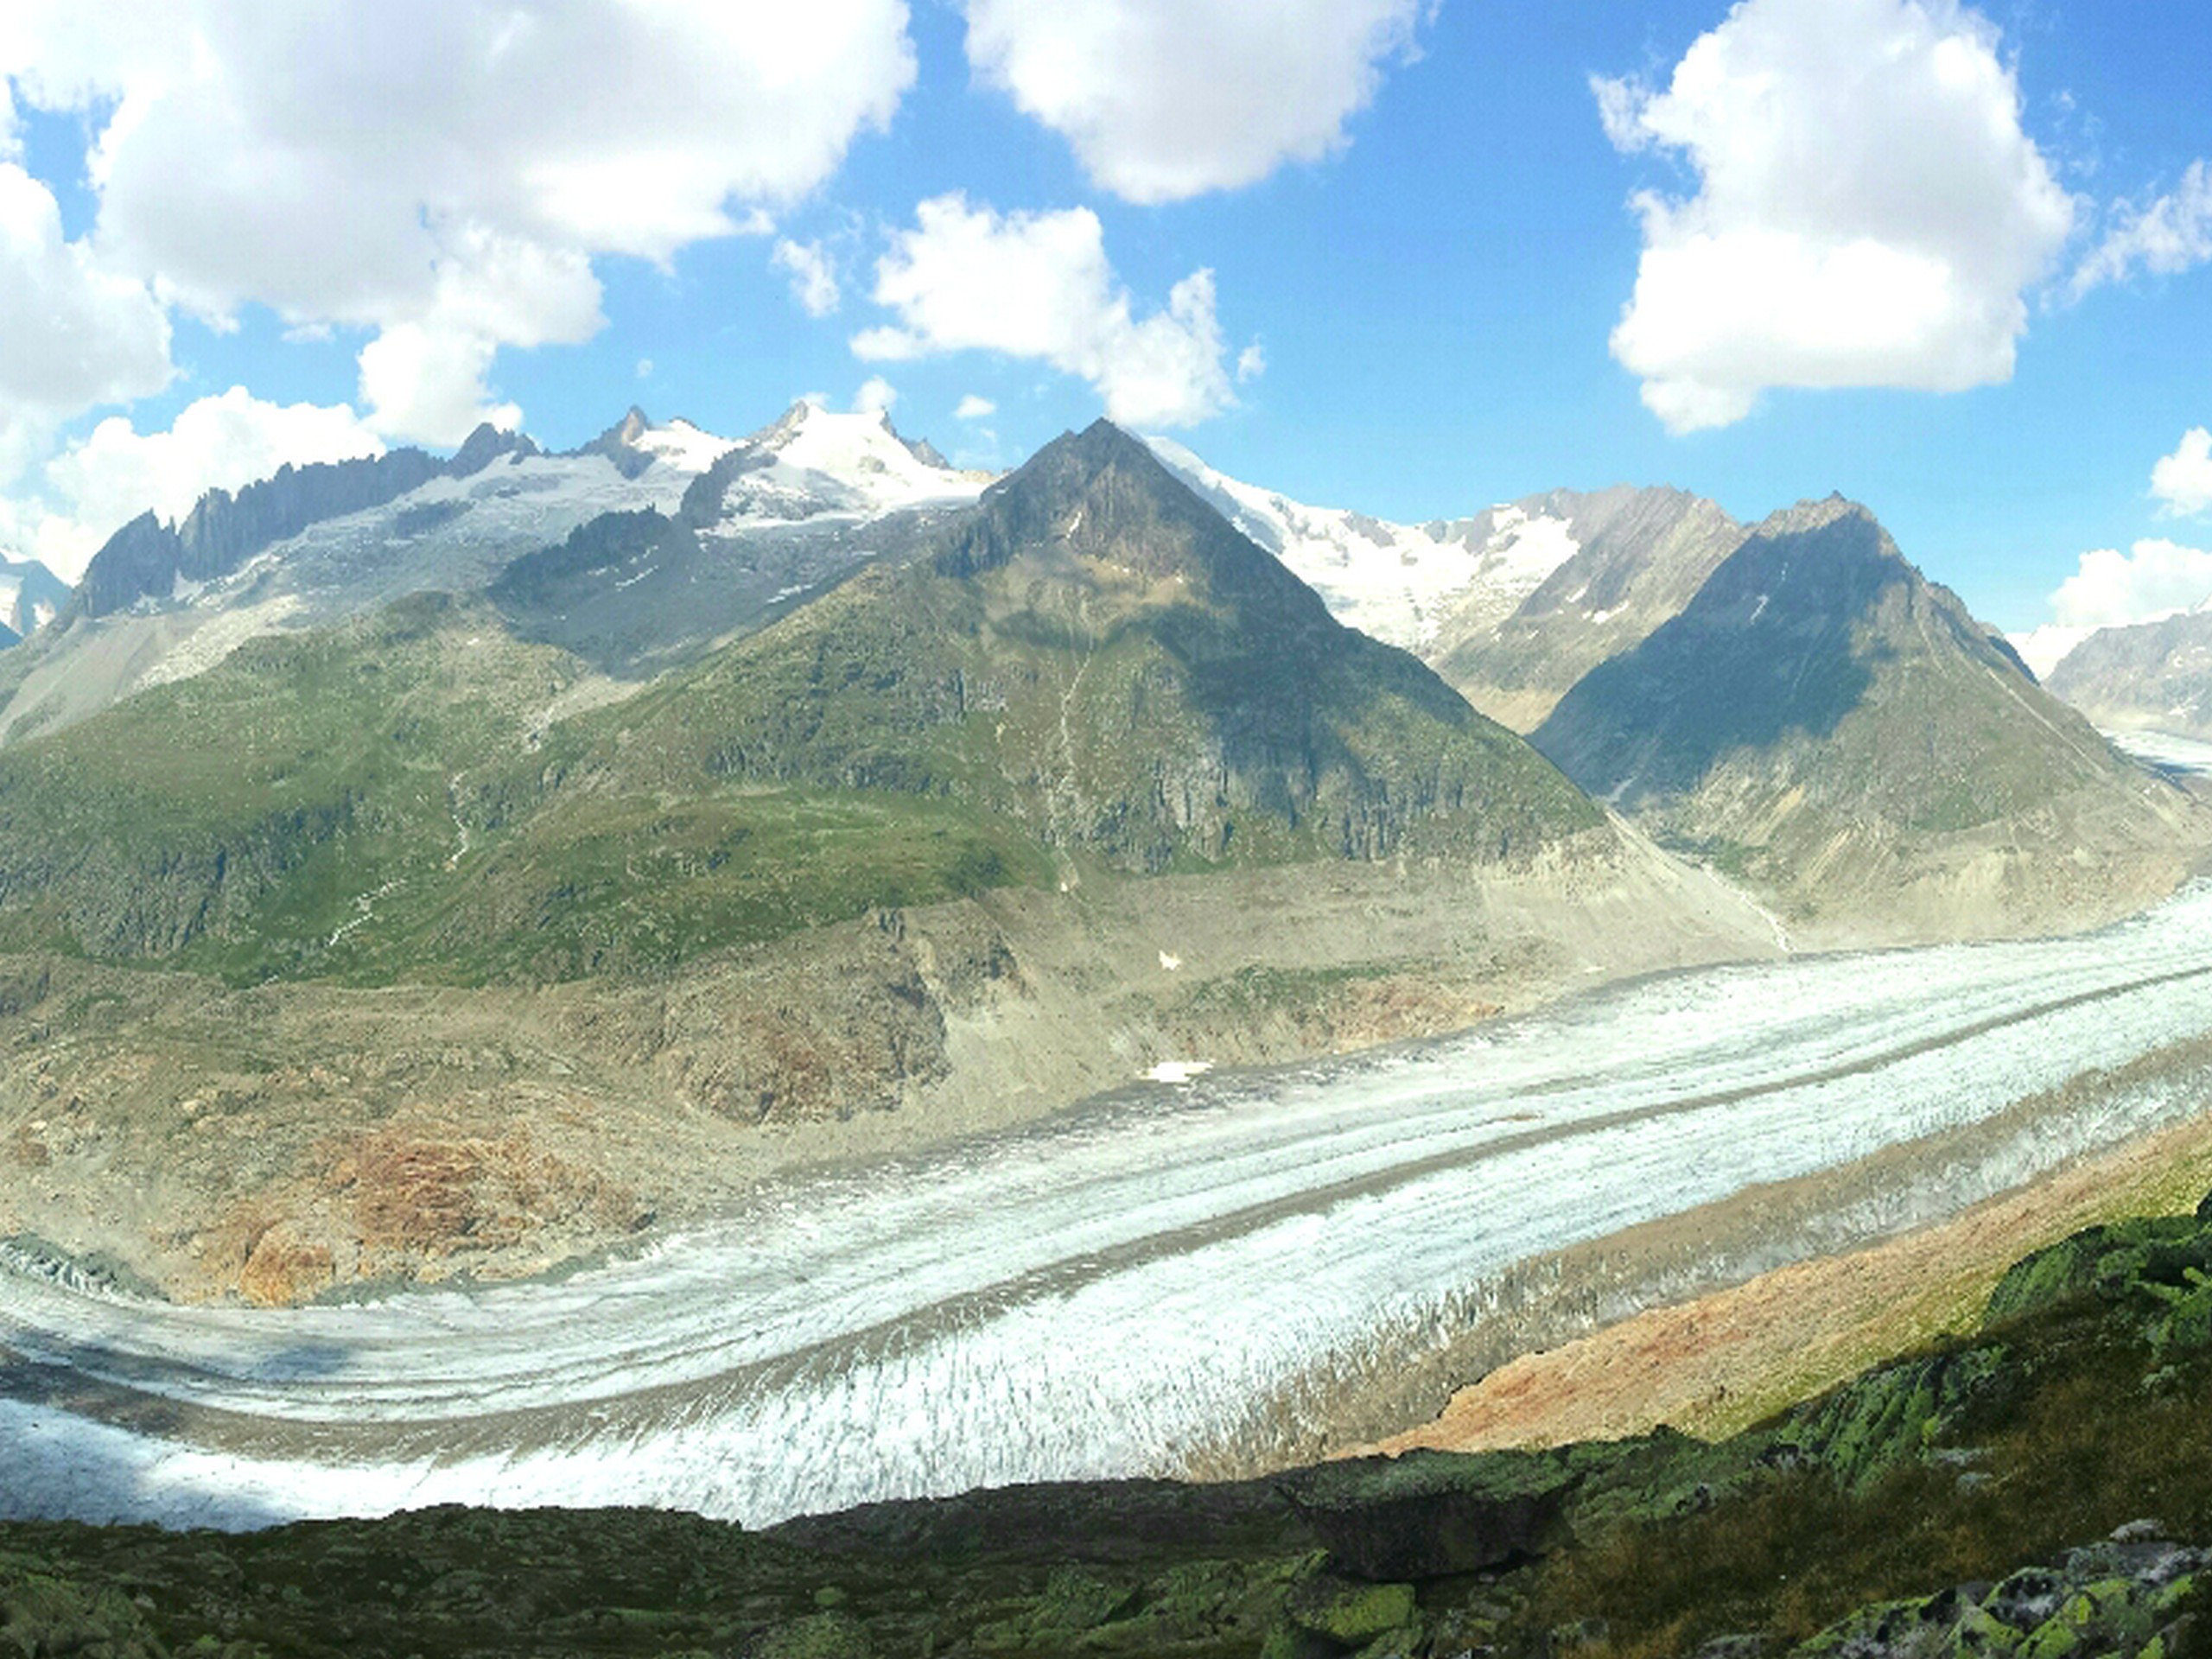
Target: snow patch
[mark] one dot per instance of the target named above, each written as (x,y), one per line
(1178,1071)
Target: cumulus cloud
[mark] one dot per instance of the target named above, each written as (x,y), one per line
(401,167)
(1869,210)
(1165,99)
(2183,479)
(875,397)
(2110,588)
(813,273)
(2171,234)
(76,335)
(1038,285)
(973,408)
(114,474)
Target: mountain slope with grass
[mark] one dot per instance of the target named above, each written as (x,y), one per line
(1826,723)
(1079,784)
(1092,665)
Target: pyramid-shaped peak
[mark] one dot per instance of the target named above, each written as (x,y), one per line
(1101,494)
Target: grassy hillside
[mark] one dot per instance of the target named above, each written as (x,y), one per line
(1090,669)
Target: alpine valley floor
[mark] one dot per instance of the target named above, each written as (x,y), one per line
(1222,1278)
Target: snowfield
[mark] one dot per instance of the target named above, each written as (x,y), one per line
(1177,1274)
(1394,581)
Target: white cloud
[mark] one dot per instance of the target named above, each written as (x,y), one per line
(443,171)
(2110,588)
(2183,479)
(973,408)
(875,397)
(644,368)
(813,273)
(1038,285)
(76,335)
(1165,99)
(2043,649)
(1869,210)
(1251,363)
(2171,235)
(97,485)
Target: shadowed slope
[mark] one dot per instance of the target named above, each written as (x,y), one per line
(1823,720)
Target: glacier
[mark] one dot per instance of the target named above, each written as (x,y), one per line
(1180,1276)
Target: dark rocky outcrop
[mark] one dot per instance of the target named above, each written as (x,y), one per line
(618,443)
(487,444)
(147,558)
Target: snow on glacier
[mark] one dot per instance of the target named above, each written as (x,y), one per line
(1115,1293)
(1394,581)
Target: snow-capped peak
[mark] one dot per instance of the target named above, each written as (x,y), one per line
(1394,581)
(682,446)
(816,460)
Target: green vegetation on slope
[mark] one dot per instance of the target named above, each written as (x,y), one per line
(1092,664)
(366,804)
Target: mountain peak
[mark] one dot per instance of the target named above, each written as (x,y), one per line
(486,445)
(1806,517)
(1101,496)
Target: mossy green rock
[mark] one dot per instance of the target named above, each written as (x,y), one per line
(819,1636)
(1351,1613)
(42,1615)
(2109,1262)
(1895,1414)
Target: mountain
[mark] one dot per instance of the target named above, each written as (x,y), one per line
(30,596)
(1089,667)
(1511,606)
(1826,722)
(1638,557)
(2151,676)
(1398,582)
(1096,655)
(762,526)
(1051,791)
(317,544)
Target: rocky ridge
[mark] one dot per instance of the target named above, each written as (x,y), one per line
(30,596)
(317,545)
(2153,677)
(1641,555)
(1825,723)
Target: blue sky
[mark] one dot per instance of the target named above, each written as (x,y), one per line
(1952,262)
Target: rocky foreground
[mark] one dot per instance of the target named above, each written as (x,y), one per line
(2041,1485)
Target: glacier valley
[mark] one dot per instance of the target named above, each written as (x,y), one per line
(1180,1278)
